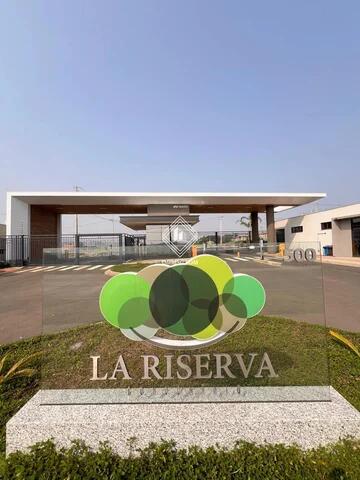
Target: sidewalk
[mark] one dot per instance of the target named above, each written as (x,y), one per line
(345,261)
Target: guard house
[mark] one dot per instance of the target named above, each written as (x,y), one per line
(337,229)
(39,213)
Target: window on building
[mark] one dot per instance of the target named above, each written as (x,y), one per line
(326,226)
(280,235)
(355,233)
(297,229)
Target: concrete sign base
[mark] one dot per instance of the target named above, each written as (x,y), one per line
(323,416)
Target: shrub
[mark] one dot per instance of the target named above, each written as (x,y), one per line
(16,370)
(164,461)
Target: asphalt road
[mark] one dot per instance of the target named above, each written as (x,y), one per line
(32,303)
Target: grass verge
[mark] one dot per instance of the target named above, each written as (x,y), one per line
(301,354)
(129,267)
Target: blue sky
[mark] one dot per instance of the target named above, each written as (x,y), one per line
(180,96)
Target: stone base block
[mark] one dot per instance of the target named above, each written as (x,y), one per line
(98,415)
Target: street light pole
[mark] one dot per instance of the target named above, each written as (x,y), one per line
(221,229)
(77,189)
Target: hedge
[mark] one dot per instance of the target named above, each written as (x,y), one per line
(165,461)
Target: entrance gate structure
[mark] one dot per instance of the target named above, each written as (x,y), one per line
(36,216)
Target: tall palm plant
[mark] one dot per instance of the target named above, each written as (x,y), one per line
(245,220)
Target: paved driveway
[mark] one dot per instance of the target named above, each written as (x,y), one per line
(67,297)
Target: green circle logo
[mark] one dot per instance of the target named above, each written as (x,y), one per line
(201,300)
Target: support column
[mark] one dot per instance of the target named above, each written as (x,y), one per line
(270,227)
(254,227)
(44,230)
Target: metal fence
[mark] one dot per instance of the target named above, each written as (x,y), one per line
(26,249)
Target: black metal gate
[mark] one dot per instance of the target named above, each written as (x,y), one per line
(13,249)
(26,249)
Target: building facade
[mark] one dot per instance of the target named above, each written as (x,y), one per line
(338,228)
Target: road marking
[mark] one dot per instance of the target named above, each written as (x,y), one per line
(67,268)
(250,258)
(268,262)
(240,259)
(271,262)
(95,267)
(36,269)
(81,268)
(230,259)
(108,267)
(57,268)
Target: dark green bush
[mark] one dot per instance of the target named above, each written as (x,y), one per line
(164,461)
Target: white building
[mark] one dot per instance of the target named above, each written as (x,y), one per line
(338,228)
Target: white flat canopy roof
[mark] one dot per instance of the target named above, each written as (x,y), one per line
(280,200)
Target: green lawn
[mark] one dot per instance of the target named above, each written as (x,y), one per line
(301,355)
(129,267)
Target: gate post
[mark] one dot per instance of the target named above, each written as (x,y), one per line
(22,250)
(119,243)
(77,246)
(123,247)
